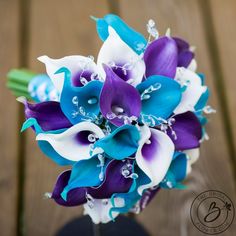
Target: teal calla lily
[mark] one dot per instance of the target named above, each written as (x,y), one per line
(91,168)
(160,96)
(121,143)
(131,37)
(79,103)
(176,173)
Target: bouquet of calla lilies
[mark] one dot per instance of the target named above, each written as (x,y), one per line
(126,126)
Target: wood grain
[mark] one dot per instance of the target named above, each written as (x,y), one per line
(58,28)
(224,18)
(168,214)
(9,57)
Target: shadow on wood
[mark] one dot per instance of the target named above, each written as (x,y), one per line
(123,226)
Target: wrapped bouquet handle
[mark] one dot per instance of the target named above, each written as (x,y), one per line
(127,124)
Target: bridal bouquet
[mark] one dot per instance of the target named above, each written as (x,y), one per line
(127,124)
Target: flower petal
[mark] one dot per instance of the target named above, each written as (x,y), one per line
(121,143)
(202,101)
(116,180)
(79,66)
(193,90)
(123,60)
(185,56)
(188,131)
(73,144)
(161,57)
(79,103)
(193,65)
(132,197)
(163,98)
(178,166)
(193,155)
(80,172)
(75,197)
(146,198)
(48,115)
(132,38)
(45,146)
(99,209)
(154,156)
(118,99)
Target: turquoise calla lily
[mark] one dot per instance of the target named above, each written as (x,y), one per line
(79,103)
(160,96)
(131,37)
(176,173)
(121,143)
(203,100)
(80,172)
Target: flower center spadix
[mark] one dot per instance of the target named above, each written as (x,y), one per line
(117,110)
(92,100)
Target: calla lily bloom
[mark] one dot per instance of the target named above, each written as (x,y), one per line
(193,90)
(121,143)
(161,57)
(46,113)
(75,143)
(132,38)
(162,93)
(177,172)
(118,98)
(79,103)
(126,63)
(187,131)
(83,69)
(154,156)
(185,55)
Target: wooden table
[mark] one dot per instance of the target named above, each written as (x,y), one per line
(30,28)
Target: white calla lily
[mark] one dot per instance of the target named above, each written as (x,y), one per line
(193,65)
(75,64)
(193,91)
(193,155)
(98,209)
(120,56)
(74,144)
(154,155)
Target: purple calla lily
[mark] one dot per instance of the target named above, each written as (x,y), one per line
(118,99)
(161,57)
(185,56)
(117,180)
(147,197)
(75,197)
(48,115)
(188,131)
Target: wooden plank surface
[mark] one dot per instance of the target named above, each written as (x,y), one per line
(224,18)
(58,29)
(9,57)
(168,214)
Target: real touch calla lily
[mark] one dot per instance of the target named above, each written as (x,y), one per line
(161,57)
(118,99)
(127,126)
(131,37)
